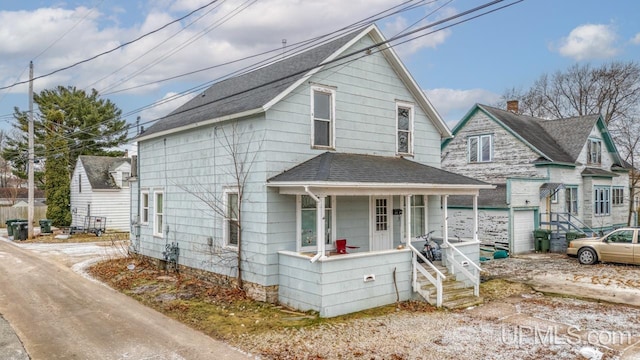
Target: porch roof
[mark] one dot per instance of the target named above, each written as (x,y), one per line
(367,172)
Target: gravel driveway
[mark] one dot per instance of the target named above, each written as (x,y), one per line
(528,325)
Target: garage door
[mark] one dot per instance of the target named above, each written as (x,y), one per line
(523,231)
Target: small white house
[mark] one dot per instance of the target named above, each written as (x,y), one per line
(100,187)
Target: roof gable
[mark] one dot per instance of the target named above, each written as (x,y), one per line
(559,140)
(98,169)
(258,90)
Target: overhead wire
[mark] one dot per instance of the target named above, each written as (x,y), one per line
(363,52)
(113,49)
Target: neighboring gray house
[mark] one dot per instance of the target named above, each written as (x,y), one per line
(100,187)
(329,152)
(564,171)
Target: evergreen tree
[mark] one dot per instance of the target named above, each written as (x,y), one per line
(57,185)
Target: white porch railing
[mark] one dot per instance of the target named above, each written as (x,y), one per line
(437,281)
(457,266)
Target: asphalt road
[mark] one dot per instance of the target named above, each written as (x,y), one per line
(59,314)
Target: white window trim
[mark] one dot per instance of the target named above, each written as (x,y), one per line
(607,190)
(332,126)
(571,200)
(589,157)
(403,223)
(613,196)
(331,245)
(479,148)
(410,106)
(155,213)
(142,219)
(226,219)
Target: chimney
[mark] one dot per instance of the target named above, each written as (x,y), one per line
(512,105)
(126,153)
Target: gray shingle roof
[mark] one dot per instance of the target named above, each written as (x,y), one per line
(97,169)
(532,130)
(491,198)
(589,171)
(358,168)
(249,91)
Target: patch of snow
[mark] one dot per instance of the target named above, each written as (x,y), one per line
(591,353)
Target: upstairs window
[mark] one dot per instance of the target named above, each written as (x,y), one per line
(79,183)
(323,116)
(595,152)
(404,128)
(125,179)
(480,148)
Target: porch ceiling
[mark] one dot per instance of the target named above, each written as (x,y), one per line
(358,174)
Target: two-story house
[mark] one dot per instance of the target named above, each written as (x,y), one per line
(564,171)
(318,169)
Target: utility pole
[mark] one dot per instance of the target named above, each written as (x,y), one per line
(31,153)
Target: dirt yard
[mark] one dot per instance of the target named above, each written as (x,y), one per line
(516,321)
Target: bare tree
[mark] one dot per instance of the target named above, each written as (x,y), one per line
(241,148)
(626,131)
(612,90)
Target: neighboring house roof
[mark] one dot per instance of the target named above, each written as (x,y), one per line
(256,91)
(19,193)
(358,168)
(98,170)
(558,140)
(487,198)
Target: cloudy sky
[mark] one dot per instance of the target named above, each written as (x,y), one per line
(474,61)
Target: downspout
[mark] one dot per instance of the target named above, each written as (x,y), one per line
(319,224)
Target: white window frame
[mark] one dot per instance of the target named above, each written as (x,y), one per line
(125,179)
(331,234)
(158,217)
(228,217)
(570,201)
(332,114)
(594,153)
(425,214)
(603,192)
(479,140)
(554,197)
(144,219)
(409,132)
(617,196)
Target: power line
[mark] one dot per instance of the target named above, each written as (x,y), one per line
(362,52)
(112,50)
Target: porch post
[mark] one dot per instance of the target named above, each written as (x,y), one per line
(445,220)
(407,205)
(320,225)
(475,217)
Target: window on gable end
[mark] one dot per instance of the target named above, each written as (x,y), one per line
(323,117)
(594,155)
(480,148)
(404,128)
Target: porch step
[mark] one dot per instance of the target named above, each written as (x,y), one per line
(455,294)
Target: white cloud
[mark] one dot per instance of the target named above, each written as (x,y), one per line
(636,39)
(400,23)
(453,104)
(590,41)
(166,105)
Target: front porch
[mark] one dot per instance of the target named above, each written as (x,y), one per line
(379,212)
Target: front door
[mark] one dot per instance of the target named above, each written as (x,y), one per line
(381,221)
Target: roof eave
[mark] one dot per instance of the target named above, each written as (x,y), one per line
(201,123)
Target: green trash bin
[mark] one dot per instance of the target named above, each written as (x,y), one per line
(9,223)
(20,230)
(546,244)
(45,226)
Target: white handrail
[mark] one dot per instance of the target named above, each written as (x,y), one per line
(475,279)
(437,281)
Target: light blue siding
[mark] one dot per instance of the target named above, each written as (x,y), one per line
(336,285)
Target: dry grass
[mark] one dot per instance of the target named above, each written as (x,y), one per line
(79,238)
(221,312)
